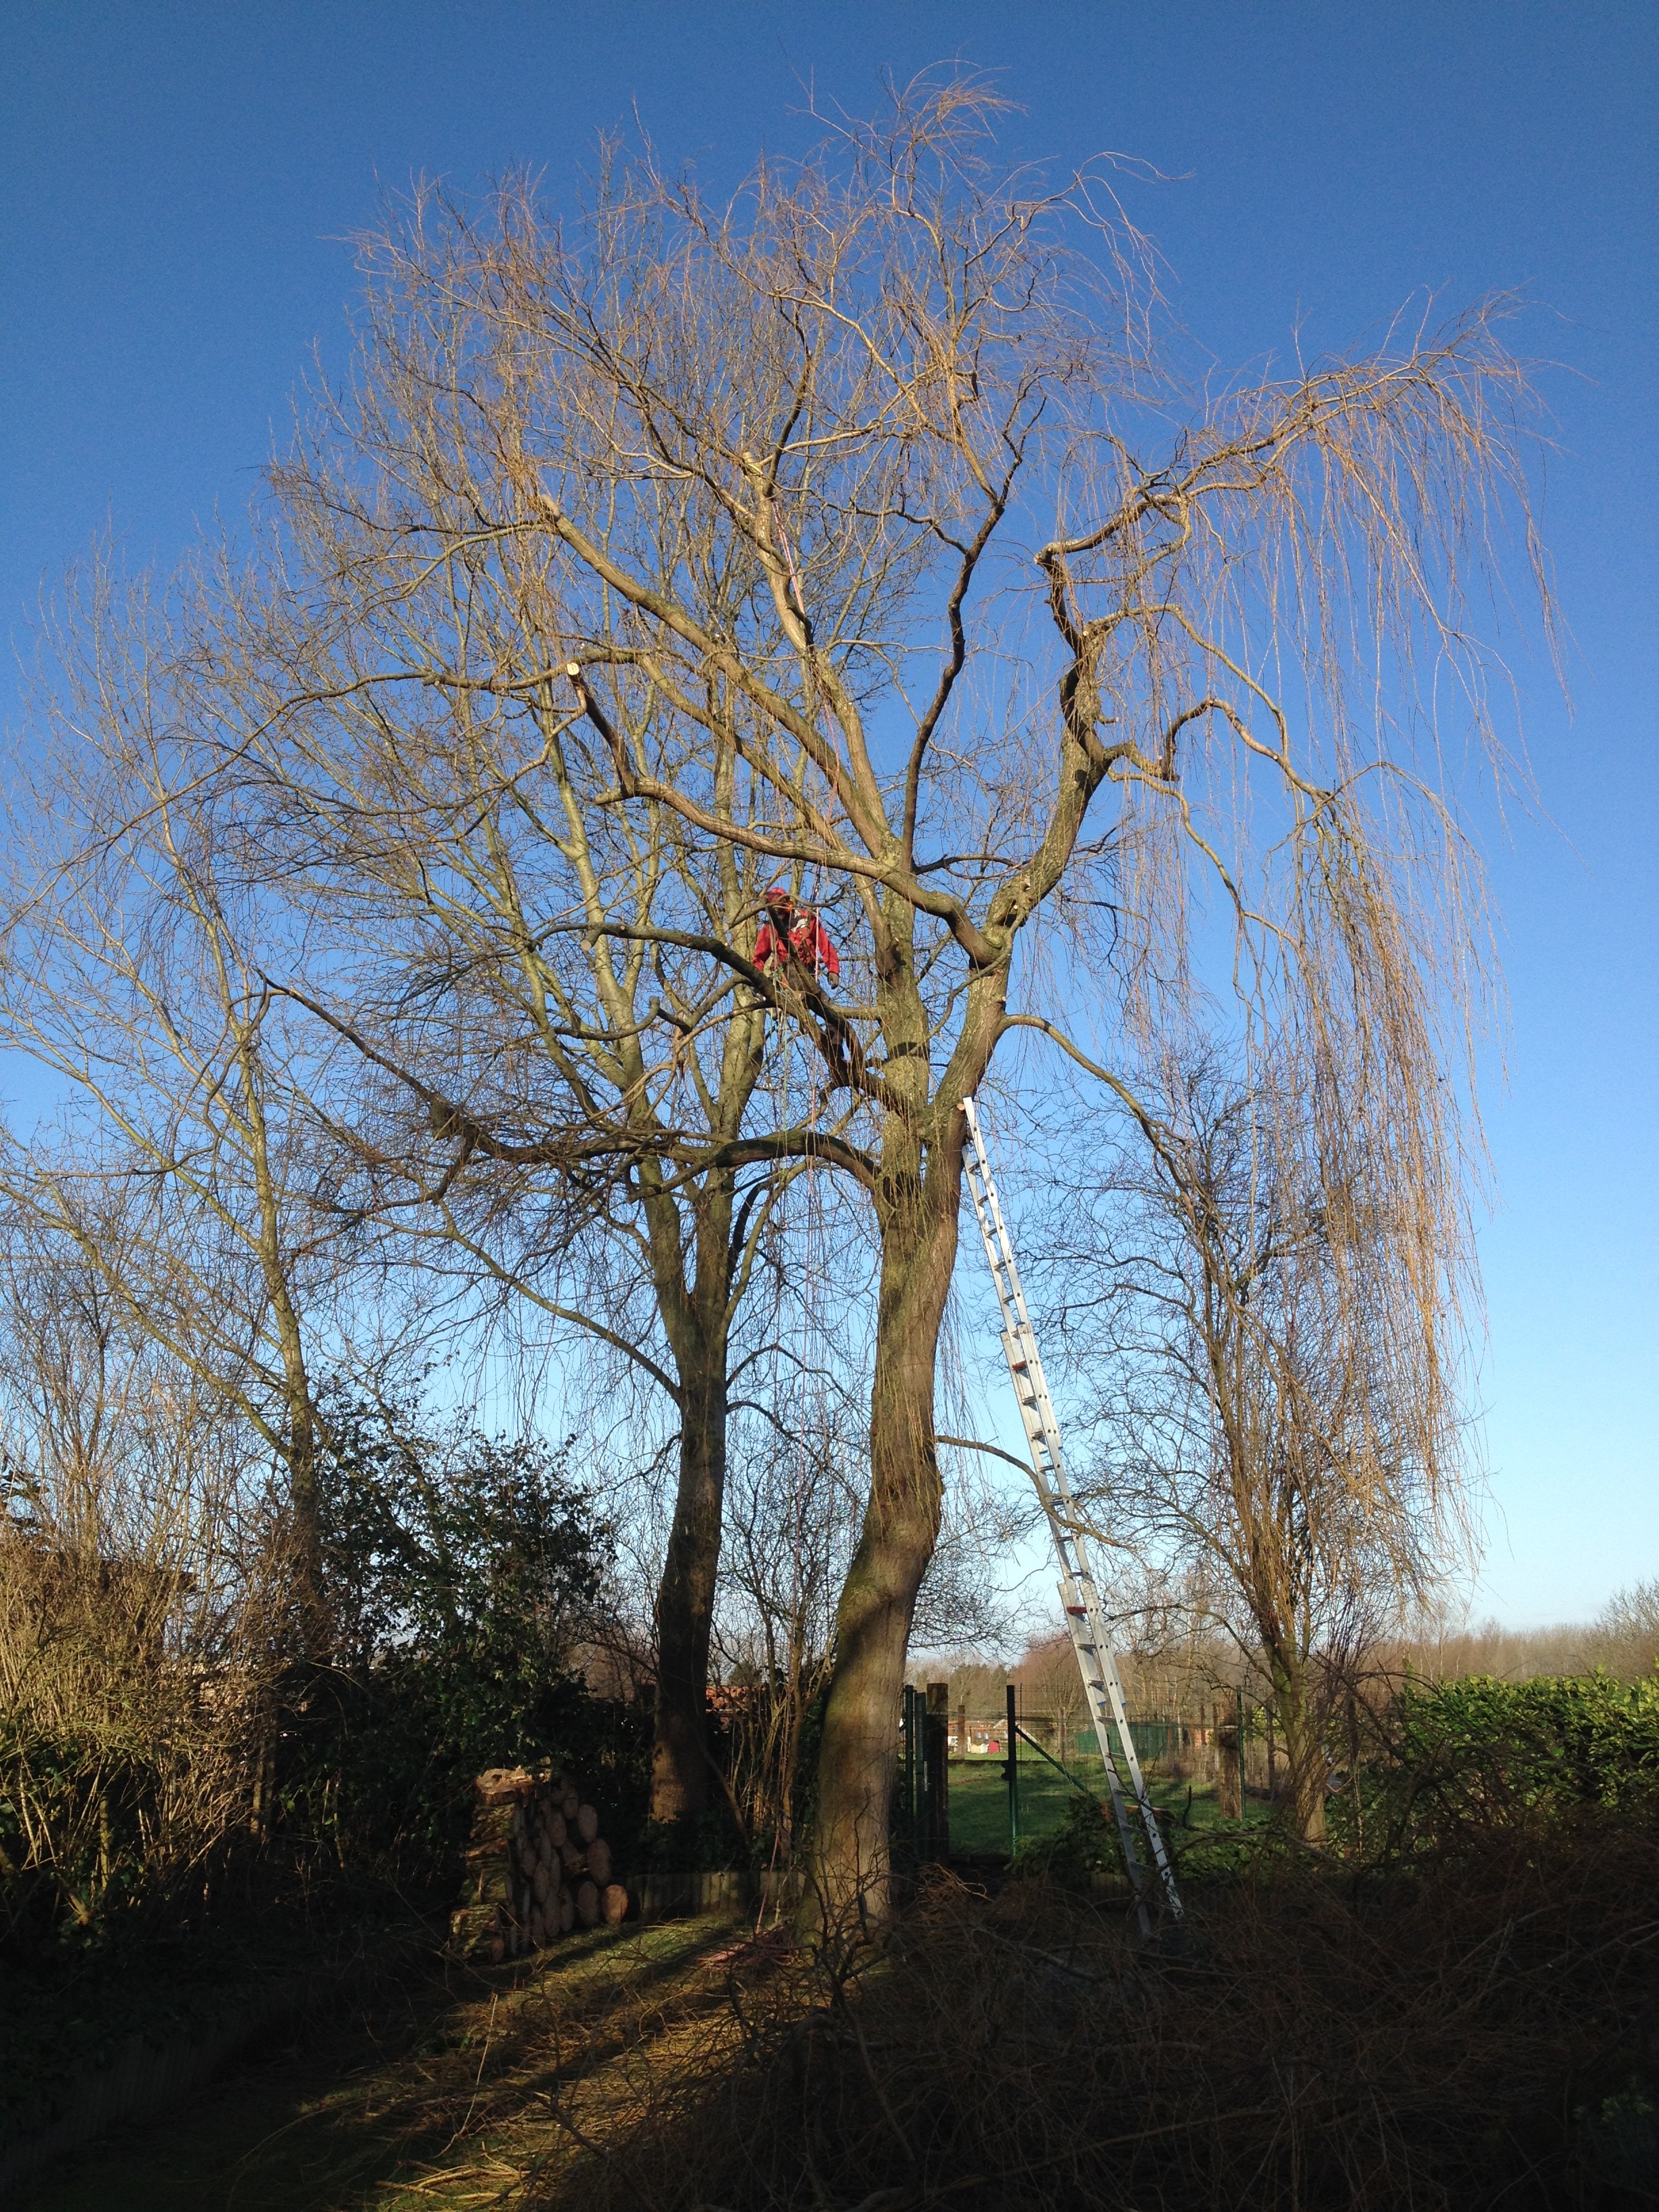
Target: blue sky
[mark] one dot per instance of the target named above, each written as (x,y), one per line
(177,180)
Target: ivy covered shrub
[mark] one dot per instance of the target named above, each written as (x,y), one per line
(460,1571)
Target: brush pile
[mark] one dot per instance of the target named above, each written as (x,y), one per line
(536,1867)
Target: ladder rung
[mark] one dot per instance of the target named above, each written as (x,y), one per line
(1087,1629)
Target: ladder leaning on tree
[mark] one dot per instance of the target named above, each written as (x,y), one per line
(1079,1595)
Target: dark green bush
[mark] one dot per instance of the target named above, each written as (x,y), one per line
(460,1569)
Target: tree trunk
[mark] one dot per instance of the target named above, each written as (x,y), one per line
(857,1760)
(698,1320)
(315,1630)
(1306,1767)
(686,1597)
(304,1505)
(300,1429)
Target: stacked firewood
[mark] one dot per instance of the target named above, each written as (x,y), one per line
(536,1867)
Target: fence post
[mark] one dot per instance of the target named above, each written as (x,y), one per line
(935,1739)
(907,1820)
(1010,1773)
(1229,1768)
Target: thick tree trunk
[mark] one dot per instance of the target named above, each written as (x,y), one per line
(857,1760)
(1306,1767)
(680,1771)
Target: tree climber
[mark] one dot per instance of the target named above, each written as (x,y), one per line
(791,933)
(792,942)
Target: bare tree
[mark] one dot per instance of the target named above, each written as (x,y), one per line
(1049,1675)
(552,1071)
(1271,1388)
(791,1517)
(857,531)
(1628,1630)
(173,1157)
(138,1600)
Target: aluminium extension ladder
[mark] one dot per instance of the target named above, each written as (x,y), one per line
(1086,1616)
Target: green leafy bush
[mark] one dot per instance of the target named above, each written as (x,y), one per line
(1479,1754)
(460,1569)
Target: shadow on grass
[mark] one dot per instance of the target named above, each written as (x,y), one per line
(1462,2034)
(425,2067)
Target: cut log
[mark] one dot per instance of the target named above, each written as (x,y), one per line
(502,1786)
(535,1866)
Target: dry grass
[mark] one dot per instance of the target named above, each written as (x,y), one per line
(1479,2033)
(437,2086)
(576,2055)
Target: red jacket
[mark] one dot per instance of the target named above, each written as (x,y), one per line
(809,941)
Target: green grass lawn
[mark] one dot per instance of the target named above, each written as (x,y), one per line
(979,1799)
